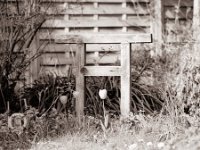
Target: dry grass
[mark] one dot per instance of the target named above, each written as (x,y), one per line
(149,133)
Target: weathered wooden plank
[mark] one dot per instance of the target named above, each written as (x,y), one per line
(80,81)
(46,33)
(110,58)
(175,2)
(51,31)
(60,48)
(113,16)
(138,30)
(81,30)
(103,1)
(101,70)
(101,38)
(158,22)
(183,13)
(125,79)
(110,30)
(196,20)
(77,9)
(96,17)
(51,59)
(144,21)
(196,32)
(80,17)
(102,47)
(61,71)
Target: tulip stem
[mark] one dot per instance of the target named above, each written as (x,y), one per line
(104,110)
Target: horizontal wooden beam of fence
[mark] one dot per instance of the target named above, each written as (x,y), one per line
(103,1)
(90,10)
(145,21)
(101,70)
(101,38)
(176,2)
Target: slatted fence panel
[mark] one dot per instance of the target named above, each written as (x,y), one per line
(178,16)
(90,16)
(104,16)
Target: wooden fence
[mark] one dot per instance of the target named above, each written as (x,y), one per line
(91,16)
(87,26)
(166,20)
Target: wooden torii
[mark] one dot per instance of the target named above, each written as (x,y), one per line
(124,71)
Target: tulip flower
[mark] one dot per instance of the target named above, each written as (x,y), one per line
(103,93)
(63,99)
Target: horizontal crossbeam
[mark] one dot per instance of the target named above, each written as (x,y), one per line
(103,1)
(102,38)
(101,70)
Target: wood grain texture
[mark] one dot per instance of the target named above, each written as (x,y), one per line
(80,81)
(125,79)
(77,9)
(143,21)
(103,38)
(158,22)
(61,48)
(175,2)
(196,20)
(102,70)
(103,1)
(196,33)
(59,59)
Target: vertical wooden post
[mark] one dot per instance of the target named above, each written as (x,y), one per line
(35,64)
(80,80)
(124,17)
(125,79)
(96,16)
(66,31)
(196,18)
(96,30)
(66,17)
(196,31)
(157,26)
(34,67)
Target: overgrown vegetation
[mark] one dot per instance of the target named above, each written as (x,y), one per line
(164,105)
(20,22)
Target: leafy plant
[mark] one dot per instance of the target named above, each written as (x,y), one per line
(145,98)
(45,93)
